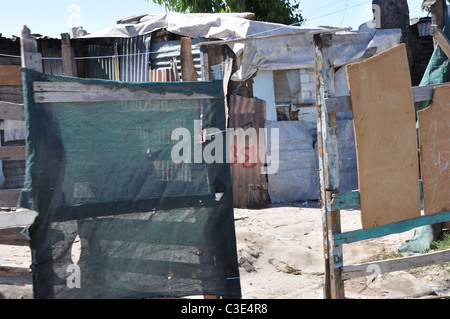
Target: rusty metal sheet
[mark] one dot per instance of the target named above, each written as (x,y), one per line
(161,75)
(249,185)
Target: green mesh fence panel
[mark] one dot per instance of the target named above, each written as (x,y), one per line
(101,176)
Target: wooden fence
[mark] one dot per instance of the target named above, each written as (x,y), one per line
(332,201)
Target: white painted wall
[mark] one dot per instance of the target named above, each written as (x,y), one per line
(263,89)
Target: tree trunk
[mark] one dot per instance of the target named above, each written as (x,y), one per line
(394,14)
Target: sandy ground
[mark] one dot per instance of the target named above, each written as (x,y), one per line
(281,256)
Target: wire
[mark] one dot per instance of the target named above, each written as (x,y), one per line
(325,7)
(10,56)
(343,16)
(95,57)
(328,14)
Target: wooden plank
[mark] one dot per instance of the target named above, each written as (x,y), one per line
(68,61)
(11,111)
(10,75)
(396,264)
(17,218)
(15,276)
(350,199)
(442,40)
(344,104)
(345,200)
(12,153)
(425,93)
(9,197)
(31,58)
(339,104)
(11,90)
(62,92)
(386,138)
(13,237)
(12,94)
(434,136)
(394,228)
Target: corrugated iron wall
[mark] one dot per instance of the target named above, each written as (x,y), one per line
(104,68)
(126,60)
(250,188)
(163,53)
(135,57)
(138,58)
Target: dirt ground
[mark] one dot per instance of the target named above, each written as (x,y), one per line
(280,253)
(281,256)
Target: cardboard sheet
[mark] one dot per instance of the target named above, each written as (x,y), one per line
(386,138)
(434,139)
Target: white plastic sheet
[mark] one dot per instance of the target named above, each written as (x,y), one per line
(278,54)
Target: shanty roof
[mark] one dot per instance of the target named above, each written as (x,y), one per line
(274,54)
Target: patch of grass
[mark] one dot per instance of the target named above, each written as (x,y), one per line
(384,255)
(442,243)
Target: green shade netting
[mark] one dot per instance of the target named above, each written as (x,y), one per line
(438,69)
(101,176)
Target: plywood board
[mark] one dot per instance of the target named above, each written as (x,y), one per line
(10,75)
(386,138)
(434,139)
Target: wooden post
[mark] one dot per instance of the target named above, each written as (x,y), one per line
(437,16)
(31,58)
(205,65)
(188,72)
(328,164)
(69,65)
(441,39)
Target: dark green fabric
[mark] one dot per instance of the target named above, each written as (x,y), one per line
(438,69)
(102,172)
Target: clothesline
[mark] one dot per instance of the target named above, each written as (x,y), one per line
(94,57)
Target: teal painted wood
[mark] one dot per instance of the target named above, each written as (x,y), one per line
(345,200)
(349,199)
(399,227)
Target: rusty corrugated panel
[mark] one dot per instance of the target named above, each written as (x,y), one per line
(162,75)
(249,185)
